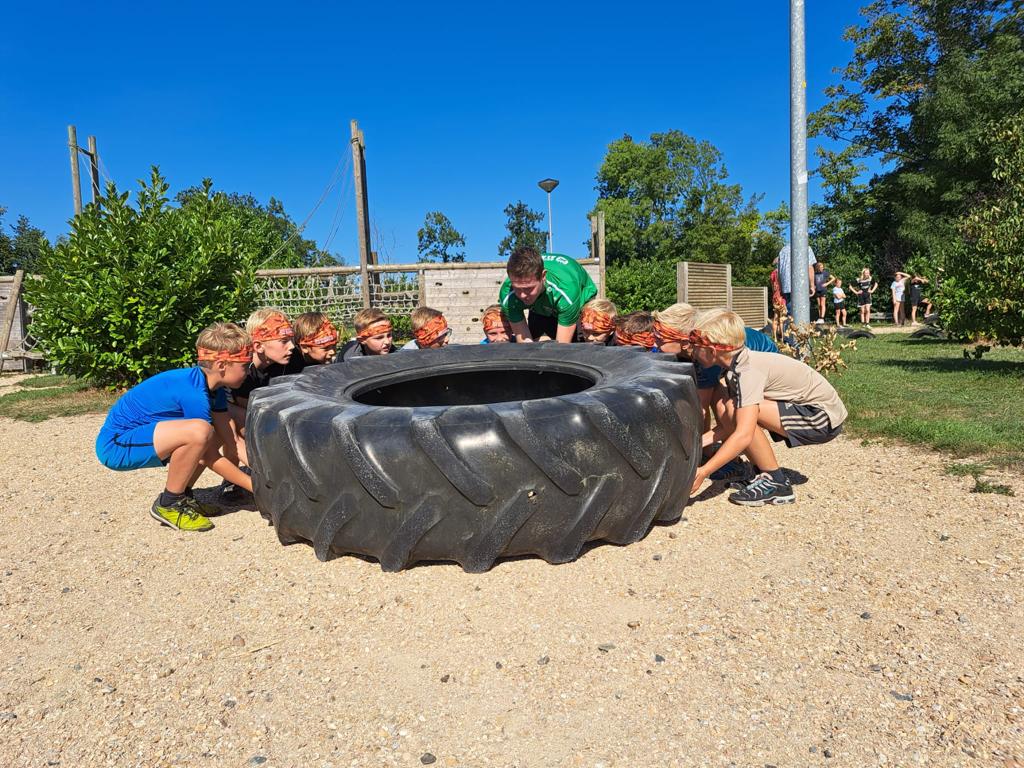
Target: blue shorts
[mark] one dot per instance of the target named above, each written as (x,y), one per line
(128,450)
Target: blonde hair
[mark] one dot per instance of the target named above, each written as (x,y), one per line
(222,337)
(366,317)
(260,316)
(308,323)
(603,306)
(421,316)
(721,326)
(678,317)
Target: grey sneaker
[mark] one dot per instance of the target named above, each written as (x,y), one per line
(763,490)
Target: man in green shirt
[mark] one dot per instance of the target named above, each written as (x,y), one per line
(553,287)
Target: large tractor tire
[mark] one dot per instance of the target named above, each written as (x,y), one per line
(475,452)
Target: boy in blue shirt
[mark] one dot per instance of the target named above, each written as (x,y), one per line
(179,419)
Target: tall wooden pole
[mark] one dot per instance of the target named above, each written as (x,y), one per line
(362,213)
(94,168)
(600,253)
(76,184)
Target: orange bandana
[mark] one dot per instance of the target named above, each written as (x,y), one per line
(431,331)
(374,329)
(597,322)
(698,339)
(274,327)
(641,339)
(324,336)
(668,333)
(495,320)
(244,355)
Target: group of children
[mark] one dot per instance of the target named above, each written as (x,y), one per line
(193,419)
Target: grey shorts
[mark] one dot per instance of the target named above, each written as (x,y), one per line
(805,425)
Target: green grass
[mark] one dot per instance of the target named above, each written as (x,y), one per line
(58,396)
(47,380)
(923,391)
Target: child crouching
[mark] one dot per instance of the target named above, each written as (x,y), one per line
(795,403)
(179,419)
(373,335)
(597,322)
(429,329)
(316,337)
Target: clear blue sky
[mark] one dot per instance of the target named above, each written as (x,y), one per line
(464,107)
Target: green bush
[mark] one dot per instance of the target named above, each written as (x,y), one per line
(126,294)
(981,298)
(642,284)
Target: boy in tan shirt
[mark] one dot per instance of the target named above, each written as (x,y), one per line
(767,391)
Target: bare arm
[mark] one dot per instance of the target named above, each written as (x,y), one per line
(734,445)
(522,331)
(565,333)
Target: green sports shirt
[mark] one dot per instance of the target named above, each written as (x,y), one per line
(568,287)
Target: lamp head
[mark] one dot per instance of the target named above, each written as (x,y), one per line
(547,184)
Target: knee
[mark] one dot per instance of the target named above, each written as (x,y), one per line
(200,432)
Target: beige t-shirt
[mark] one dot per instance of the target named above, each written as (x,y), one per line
(757,376)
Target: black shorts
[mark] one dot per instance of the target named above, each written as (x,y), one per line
(864,299)
(805,425)
(819,294)
(542,325)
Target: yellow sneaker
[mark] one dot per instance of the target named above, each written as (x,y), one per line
(182,515)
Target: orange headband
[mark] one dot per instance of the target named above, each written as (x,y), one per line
(595,321)
(324,336)
(244,355)
(274,327)
(668,333)
(431,331)
(641,339)
(698,339)
(374,329)
(494,320)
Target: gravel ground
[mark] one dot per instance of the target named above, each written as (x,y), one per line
(878,621)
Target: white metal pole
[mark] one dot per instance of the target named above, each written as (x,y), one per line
(799,281)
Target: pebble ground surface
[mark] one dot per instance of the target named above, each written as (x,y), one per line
(878,621)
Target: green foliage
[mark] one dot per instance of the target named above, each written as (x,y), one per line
(33,403)
(981,297)
(925,83)
(439,240)
(24,249)
(126,294)
(667,200)
(522,229)
(291,250)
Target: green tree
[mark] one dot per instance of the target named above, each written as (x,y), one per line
(522,229)
(125,295)
(981,296)
(926,81)
(439,240)
(668,200)
(24,249)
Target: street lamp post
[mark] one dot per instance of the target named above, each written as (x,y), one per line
(548,185)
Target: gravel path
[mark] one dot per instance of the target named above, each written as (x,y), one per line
(878,621)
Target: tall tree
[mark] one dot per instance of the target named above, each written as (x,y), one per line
(24,249)
(668,200)
(439,240)
(927,80)
(522,229)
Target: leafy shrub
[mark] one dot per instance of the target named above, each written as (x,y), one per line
(982,294)
(642,284)
(127,293)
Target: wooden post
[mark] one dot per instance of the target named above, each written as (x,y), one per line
(362,212)
(10,312)
(94,168)
(423,287)
(600,253)
(76,184)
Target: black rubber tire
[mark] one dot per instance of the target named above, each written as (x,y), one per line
(478,480)
(927,333)
(855,334)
